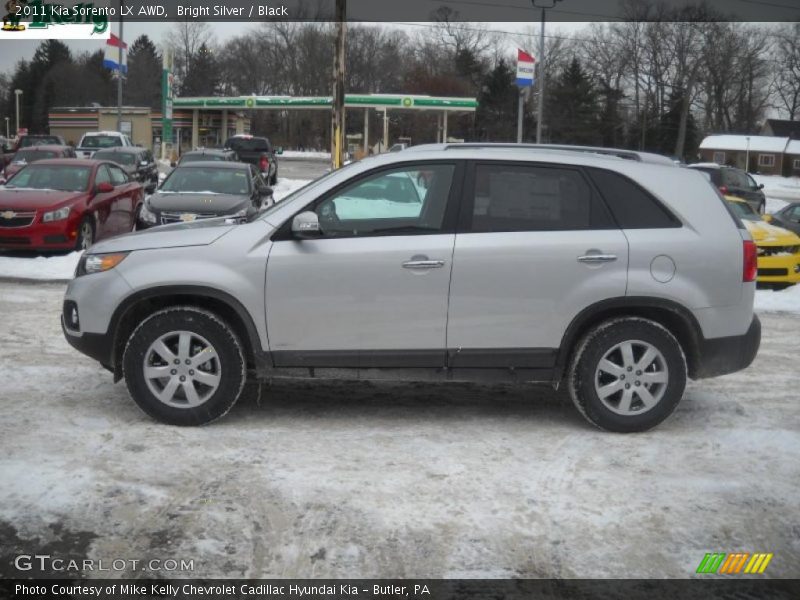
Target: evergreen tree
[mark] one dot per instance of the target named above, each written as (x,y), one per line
(572,111)
(50,56)
(143,83)
(202,76)
(666,132)
(496,116)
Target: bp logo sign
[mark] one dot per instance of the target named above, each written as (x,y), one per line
(408,102)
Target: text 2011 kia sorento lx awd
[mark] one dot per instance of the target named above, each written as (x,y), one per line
(618,278)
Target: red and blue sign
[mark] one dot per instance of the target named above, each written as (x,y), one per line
(525,64)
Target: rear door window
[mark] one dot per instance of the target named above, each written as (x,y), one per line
(517,197)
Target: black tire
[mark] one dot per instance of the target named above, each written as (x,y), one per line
(230,365)
(86,233)
(585,375)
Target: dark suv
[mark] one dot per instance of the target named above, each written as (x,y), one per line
(257,151)
(136,161)
(735,182)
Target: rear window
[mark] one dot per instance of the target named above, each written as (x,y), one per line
(249,144)
(44,140)
(101,141)
(187,158)
(632,206)
(121,158)
(33,155)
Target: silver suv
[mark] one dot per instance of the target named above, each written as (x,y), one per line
(619,278)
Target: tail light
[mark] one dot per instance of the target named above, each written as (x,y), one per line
(723,189)
(263,164)
(750,261)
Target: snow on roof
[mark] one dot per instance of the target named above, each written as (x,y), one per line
(793,147)
(758,143)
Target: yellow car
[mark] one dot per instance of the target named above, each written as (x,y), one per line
(778,248)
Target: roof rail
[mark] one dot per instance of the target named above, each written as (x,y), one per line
(617,152)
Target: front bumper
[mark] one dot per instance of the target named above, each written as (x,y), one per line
(779,269)
(57,235)
(721,356)
(94,345)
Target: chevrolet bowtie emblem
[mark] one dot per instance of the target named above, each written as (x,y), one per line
(9,214)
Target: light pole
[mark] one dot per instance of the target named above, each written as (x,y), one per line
(8,135)
(17,93)
(544,5)
(747,156)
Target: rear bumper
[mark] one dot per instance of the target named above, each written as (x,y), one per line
(720,356)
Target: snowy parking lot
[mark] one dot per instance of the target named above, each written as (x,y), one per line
(390,480)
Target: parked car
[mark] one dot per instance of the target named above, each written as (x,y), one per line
(206,154)
(256,151)
(31,154)
(788,217)
(61,204)
(564,267)
(735,182)
(27,140)
(136,161)
(207,189)
(93,141)
(778,248)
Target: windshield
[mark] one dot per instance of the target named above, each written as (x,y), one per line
(207,180)
(744,211)
(122,158)
(101,141)
(28,141)
(33,155)
(51,177)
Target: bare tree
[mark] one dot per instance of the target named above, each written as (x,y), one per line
(786,55)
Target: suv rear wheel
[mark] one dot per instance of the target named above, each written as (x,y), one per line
(184,366)
(627,374)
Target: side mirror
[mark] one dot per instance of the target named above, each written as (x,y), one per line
(766,218)
(266,192)
(104,188)
(306,225)
(760,186)
(173,164)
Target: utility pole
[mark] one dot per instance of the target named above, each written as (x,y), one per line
(119,71)
(540,117)
(17,94)
(338,115)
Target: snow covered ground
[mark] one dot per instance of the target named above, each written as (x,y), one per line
(390,480)
(305,154)
(779,190)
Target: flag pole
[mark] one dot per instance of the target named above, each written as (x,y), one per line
(119,70)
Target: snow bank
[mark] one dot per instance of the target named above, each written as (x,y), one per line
(787,300)
(779,190)
(284,187)
(304,154)
(52,268)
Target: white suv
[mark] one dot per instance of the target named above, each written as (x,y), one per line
(616,274)
(93,141)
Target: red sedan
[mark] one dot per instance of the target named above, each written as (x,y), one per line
(62,204)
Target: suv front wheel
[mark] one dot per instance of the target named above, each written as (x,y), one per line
(627,374)
(184,366)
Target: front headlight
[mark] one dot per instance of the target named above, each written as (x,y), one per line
(56,215)
(97,263)
(147,215)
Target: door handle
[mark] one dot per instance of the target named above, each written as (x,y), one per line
(597,258)
(423,264)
